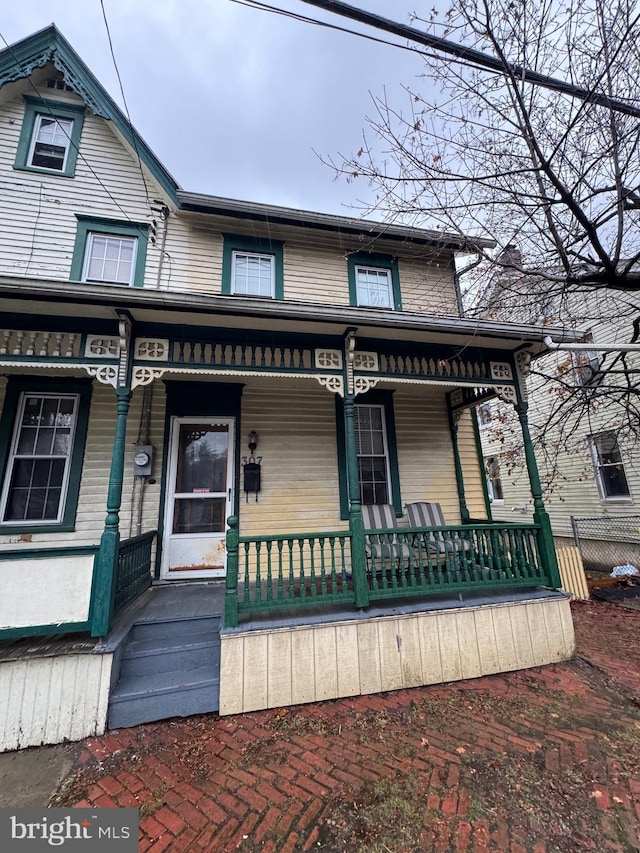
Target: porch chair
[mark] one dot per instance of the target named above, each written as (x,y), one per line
(426,514)
(387,549)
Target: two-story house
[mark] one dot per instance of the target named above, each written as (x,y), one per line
(214,417)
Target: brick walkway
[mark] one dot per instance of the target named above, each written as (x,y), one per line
(541,760)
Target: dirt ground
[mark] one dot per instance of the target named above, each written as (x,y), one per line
(535,761)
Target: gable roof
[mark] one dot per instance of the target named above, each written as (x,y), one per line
(19,60)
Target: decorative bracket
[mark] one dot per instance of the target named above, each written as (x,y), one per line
(332,383)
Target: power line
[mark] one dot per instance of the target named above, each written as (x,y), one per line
(124,101)
(45,106)
(473,56)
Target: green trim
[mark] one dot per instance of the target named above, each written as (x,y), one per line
(54,109)
(97,225)
(49,45)
(374,398)
(17,385)
(480,457)
(44,630)
(366,259)
(46,553)
(239,243)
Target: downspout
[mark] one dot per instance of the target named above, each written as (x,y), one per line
(590,347)
(456,280)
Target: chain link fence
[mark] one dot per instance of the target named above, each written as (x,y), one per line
(608,541)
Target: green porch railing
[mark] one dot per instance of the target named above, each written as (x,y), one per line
(133,572)
(288,570)
(410,561)
(296,570)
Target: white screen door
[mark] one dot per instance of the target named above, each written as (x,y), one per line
(199,497)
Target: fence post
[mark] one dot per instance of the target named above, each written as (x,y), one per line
(231,586)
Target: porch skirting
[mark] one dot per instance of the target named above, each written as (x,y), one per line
(52,697)
(276,666)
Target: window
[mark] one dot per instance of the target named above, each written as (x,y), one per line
(494,484)
(252,267)
(373,457)
(43,432)
(376,449)
(109,251)
(374,281)
(50,136)
(608,465)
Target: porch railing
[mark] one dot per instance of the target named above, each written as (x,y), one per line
(409,561)
(297,570)
(133,573)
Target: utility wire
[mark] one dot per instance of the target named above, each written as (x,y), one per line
(476,57)
(48,109)
(124,101)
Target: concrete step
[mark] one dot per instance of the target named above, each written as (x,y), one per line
(144,699)
(165,654)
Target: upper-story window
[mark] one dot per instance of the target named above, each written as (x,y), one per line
(49,137)
(109,251)
(374,281)
(252,267)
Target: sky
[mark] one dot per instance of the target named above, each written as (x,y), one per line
(238,102)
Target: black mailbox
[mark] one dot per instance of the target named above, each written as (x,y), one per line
(251,478)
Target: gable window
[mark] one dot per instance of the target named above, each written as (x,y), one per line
(44,434)
(252,267)
(50,136)
(374,281)
(109,251)
(376,450)
(494,483)
(608,466)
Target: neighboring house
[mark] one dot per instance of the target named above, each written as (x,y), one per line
(205,393)
(589,460)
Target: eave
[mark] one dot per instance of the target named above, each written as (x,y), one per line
(183,308)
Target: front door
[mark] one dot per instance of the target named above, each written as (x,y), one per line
(198,497)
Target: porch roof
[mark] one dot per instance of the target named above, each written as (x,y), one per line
(49,297)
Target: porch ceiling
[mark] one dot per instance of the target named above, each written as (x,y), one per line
(72,299)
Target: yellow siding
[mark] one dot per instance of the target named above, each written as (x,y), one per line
(107,183)
(471,471)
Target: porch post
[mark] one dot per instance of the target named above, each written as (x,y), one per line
(104,586)
(454,418)
(231,582)
(356,524)
(540,515)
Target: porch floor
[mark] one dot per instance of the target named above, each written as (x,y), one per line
(298,617)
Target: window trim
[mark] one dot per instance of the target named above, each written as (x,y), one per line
(252,246)
(371,398)
(35,107)
(16,388)
(374,261)
(597,467)
(109,227)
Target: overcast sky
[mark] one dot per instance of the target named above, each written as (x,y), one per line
(234,101)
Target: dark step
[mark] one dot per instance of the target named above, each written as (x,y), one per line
(156,655)
(143,699)
(170,627)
